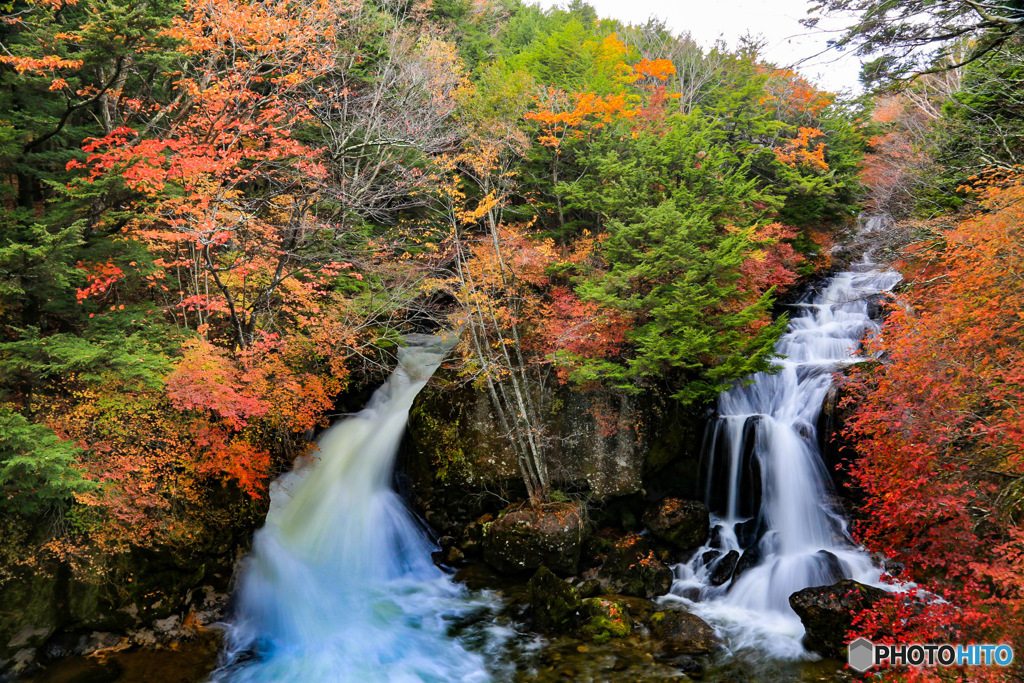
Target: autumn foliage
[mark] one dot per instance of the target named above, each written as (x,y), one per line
(939,429)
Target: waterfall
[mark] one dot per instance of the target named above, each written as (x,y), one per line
(775,527)
(340,585)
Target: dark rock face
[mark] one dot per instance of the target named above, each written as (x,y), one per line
(676,632)
(827,613)
(631,568)
(528,538)
(749,559)
(683,523)
(555,602)
(724,568)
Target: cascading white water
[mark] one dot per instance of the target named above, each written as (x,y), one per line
(767,486)
(340,585)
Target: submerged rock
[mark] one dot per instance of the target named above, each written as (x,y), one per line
(632,568)
(528,538)
(827,613)
(677,632)
(683,523)
(555,602)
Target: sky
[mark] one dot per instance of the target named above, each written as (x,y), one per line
(776,20)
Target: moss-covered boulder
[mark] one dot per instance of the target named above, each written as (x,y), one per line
(677,632)
(684,524)
(528,538)
(555,603)
(631,567)
(604,619)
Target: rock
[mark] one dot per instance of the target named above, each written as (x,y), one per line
(894,568)
(723,569)
(554,601)
(528,538)
(588,588)
(453,556)
(605,619)
(710,556)
(750,558)
(632,568)
(683,523)
(749,532)
(827,613)
(677,632)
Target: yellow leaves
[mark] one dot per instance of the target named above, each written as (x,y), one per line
(471,216)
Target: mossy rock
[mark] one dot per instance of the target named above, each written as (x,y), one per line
(555,603)
(528,538)
(685,524)
(632,568)
(605,619)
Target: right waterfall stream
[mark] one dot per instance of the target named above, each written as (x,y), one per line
(775,526)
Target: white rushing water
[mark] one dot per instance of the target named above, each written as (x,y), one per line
(768,489)
(340,585)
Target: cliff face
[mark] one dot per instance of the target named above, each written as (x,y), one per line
(112,601)
(601,445)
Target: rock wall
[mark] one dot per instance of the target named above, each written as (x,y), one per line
(113,601)
(605,446)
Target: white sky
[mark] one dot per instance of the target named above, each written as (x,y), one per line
(776,20)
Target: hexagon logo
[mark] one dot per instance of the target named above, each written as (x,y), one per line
(862,654)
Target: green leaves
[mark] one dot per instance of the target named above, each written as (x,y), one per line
(38,470)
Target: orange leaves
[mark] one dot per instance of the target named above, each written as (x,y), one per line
(100,277)
(39,65)
(790,95)
(207,379)
(575,114)
(800,152)
(657,69)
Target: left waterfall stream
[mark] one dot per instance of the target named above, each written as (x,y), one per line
(340,585)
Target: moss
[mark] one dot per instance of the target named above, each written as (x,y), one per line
(606,619)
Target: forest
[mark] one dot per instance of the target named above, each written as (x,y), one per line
(222,220)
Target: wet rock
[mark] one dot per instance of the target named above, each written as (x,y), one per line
(554,602)
(830,567)
(716,537)
(632,568)
(605,618)
(723,569)
(749,559)
(827,613)
(894,568)
(749,532)
(528,538)
(453,556)
(683,523)
(677,632)
(710,556)
(588,588)
(472,536)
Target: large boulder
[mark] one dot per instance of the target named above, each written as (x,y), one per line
(555,602)
(525,539)
(631,568)
(827,613)
(683,523)
(677,632)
